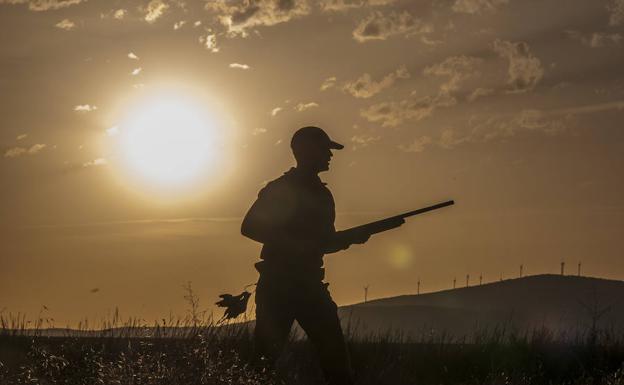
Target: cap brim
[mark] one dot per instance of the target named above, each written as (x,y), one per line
(335,146)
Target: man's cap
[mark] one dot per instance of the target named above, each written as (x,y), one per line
(313,136)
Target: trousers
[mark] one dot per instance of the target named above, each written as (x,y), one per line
(279,302)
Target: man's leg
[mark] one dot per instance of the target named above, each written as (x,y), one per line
(274,319)
(318,316)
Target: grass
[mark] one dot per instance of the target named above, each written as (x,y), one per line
(207,354)
(197,350)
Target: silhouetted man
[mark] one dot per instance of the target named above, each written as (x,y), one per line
(294,218)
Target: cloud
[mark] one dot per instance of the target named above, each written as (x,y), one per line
(19,151)
(35,148)
(305,106)
(209,41)
(505,126)
(596,39)
(328,83)
(240,16)
(481,129)
(590,108)
(275,111)
(365,86)
(154,10)
(136,71)
(85,108)
(379,26)
(450,138)
(525,70)
(95,163)
(343,5)
(258,131)
(479,92)
(22,136)
(120,13)
(476,7)
(418,145)
(391,114)
(178,25)
(65,24)
(239,66)
(112,131)
(14,152)
(44,5)
(548,122)
(457,69)
(616,12)
(132,56)
(364,140)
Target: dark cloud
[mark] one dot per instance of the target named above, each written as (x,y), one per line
(343,5)
(502,126)
(457,69)
(365,86)
(596,39)
(525,70)
(477,6)
(616,12)
(241,16)
(479,92)
(44,5)
(380,26)
(391,114)
(418,145)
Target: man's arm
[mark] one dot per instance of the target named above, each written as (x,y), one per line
(341,240)
(267,219)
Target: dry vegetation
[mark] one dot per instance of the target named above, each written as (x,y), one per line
(196,350)
(207,354)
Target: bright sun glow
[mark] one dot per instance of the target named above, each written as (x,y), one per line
(168,140)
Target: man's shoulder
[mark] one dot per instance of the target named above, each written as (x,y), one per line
(281,184)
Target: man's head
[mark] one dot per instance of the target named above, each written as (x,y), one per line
(312,148)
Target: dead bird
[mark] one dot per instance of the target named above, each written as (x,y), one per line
(235,304)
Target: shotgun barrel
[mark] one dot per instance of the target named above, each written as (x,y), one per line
(392,222)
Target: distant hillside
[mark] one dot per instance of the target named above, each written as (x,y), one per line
(563,304)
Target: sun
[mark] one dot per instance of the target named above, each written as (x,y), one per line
(168,140)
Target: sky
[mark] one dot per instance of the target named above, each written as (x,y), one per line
(512,108)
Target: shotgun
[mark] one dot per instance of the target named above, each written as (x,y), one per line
(390,222)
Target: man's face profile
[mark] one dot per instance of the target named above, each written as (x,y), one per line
(314,158)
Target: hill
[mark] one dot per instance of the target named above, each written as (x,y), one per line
(563,304)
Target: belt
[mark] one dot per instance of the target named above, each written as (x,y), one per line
(272,270)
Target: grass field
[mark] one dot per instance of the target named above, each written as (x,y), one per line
(203,353)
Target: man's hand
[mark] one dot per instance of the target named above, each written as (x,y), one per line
(359,239)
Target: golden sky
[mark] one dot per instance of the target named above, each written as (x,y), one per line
(513,108)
